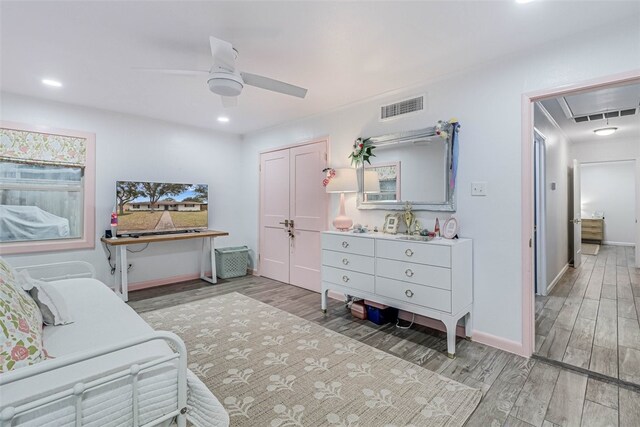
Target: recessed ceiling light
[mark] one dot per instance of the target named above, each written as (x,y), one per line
(52,83)
(605,131)
(223,119)
(523,1)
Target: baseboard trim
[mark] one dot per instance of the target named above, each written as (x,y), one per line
(557,278)
(136,286)
(607,242)
(430,323)
(499,343)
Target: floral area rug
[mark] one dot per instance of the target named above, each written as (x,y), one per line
(271,368)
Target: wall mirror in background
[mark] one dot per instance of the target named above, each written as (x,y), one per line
(416,167)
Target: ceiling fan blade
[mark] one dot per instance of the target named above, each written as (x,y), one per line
(223,54)
(273,85)
(229,101)
(175,72)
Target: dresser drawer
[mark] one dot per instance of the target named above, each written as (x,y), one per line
(346,243)
(350,279)
(424,296)
(422,253)
(347,261)
(421,274)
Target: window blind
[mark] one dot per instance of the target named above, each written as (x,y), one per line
(42,148)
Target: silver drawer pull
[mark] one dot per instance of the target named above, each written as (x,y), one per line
(345,244)
(408,272)
(345,279)
(408,293)
(345,261)
(408,252)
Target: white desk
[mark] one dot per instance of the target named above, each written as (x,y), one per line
(121,243)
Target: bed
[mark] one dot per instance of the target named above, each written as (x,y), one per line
(108,368)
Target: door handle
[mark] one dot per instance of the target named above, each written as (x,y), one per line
(285,223)
(408,293)
(291,223)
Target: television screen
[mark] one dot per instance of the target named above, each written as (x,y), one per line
(159,207)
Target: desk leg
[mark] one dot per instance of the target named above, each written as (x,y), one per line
(203,257)
(124,267)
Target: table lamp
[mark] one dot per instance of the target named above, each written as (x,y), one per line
(344,182)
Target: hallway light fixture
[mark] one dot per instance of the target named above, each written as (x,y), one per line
(605,131)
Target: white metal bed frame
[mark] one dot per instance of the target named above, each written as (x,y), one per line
(8,414)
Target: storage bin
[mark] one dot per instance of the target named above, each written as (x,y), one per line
(359,310)
(381,316)
(232,262)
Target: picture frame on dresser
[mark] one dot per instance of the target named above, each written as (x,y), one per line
(391,223)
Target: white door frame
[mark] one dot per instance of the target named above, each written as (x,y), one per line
(527,191)
(541,212)
(280,148)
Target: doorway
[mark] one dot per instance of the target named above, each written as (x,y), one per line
(587,174)
(293,212)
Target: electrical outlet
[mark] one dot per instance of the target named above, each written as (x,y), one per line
(479,188)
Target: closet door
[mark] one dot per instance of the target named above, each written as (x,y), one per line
(293,212)
(274,210)
(308,211)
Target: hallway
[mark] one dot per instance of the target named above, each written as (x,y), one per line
(590,318)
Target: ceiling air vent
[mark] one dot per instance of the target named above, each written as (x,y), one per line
(607,115)
(400,108)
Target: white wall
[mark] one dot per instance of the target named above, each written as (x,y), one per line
(612,149)
(141,149)
(556,201)
(487,101)
(610,187)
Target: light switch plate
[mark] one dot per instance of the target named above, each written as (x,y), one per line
(479,188)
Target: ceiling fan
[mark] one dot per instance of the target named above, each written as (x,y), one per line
(223,78)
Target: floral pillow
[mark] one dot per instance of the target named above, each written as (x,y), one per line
(20,324)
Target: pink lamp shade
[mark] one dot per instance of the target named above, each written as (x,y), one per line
(345,181)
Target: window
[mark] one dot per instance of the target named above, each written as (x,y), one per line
(46,190)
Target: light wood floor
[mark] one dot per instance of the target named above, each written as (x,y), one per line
(518,392)
(590,318)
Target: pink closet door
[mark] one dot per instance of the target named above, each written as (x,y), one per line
(291,190)
(308,210)
(274,209)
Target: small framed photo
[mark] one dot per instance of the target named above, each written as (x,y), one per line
(450,228)
(391,222)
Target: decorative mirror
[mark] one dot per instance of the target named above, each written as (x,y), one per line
(416,167)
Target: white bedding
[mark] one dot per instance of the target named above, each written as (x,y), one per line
(101,319)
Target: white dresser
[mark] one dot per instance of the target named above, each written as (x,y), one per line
(432,279)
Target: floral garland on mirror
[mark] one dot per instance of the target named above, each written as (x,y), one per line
(362,150)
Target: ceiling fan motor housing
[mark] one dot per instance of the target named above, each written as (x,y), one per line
(225,83)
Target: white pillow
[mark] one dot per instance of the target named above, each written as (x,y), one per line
(50,302)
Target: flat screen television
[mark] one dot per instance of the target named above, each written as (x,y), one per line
(161,207)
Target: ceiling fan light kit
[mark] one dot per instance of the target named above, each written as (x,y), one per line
(225,83)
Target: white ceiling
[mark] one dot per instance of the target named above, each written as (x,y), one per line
(342,52)
(598,101)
